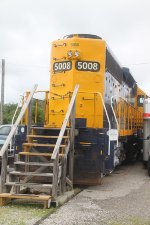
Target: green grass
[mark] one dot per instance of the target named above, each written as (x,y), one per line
(133,220)
(22,214)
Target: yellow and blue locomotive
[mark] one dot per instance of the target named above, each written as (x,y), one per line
(93,121)
(108,108)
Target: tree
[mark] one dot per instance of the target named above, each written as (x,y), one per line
(9,110)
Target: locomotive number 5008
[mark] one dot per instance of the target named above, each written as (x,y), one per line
(87,66)
(62,66)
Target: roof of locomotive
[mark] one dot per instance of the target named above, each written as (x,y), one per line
(91,36)
(122,72)
(127,77)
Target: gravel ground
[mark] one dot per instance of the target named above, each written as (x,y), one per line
(21,214)
(122,199)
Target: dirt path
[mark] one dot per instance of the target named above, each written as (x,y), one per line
(122,199)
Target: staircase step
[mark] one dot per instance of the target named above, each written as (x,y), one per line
(41,145)
(33,163)
(44,136)
(48,128)
(31,174)
(27,196)
(38,154)
(32,185)
(46,199)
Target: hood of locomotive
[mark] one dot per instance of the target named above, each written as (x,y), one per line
(77,59)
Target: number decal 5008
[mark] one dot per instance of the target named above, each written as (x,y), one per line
(62,66)
(87,66)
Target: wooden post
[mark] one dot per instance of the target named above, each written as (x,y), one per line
(64,173)
(72,136)
(29,123)
(4,171)
(64,168)
(55,177)
(36,111)
(46,118)
(2,91)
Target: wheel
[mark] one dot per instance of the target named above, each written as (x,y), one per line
(148,166)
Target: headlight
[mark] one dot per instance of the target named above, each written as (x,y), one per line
(76,53)
(69,53)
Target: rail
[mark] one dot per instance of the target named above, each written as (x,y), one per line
(32,116)
(15,113)
(64,125)
(115,116)
(109,124)
(69,149)
(13,118)
(107,119)
(4,149)
(135,118)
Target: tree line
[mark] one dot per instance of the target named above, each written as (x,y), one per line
(9,110)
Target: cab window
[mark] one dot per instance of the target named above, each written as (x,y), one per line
(140,100)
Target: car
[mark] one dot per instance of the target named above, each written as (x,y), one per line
(4,132)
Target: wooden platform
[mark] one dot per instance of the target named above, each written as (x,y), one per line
(44,136)
(18,173)
(38,154)
(34,164)
(41,145)
(5,198)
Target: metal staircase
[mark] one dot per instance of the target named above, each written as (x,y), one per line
(44,169)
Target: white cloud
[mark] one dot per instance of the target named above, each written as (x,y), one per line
(27,28)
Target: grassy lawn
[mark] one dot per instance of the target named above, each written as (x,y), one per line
(129,221)
(22,214)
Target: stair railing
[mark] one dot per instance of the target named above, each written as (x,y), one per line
(135,117)
(106,113)
(4,149)
(69,149)
(31,115)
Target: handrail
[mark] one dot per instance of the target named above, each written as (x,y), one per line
(100,94)
(64,125)
(12,121)
(129,104)
(136,110)
(107,119)
(114,114)
(14,127)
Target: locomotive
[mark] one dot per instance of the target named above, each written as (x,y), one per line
(93,121)
(109,105)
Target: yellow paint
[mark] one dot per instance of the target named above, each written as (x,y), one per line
(85,143)
(130,118)
(88,106)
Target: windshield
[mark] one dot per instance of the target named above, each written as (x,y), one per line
(5,130)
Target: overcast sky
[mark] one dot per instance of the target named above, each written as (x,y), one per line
(27,28)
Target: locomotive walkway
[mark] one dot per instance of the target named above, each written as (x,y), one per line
(122,199)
